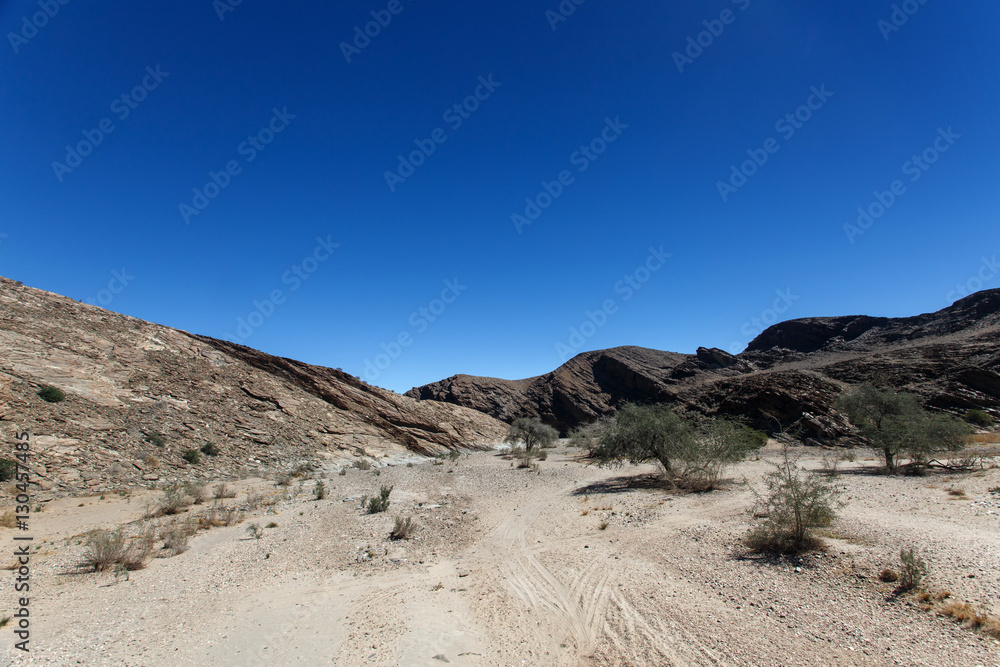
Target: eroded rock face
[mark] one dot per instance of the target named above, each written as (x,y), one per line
(125,379)
(788,377)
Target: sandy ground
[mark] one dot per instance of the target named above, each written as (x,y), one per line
(510,567)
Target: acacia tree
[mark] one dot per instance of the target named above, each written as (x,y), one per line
(695,454)
(532,432)
(897,423)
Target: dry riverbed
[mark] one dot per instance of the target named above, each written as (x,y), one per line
(572,565)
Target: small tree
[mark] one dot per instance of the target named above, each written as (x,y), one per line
(896,423)
(794,504)
(532,432)
(587,436)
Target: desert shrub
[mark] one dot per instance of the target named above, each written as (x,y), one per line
(587,436)
(793,505)
(343,471)
(223,491)
(191,456)
(175,500)
(532,432)
(284,479)
(210,449)
(219,515)
(8,519)
(979,418)
(403,528)
(319,490)
(196,492)
(107,548)
(151,460)
(8,468)
(696,455)
(255,531)
(271,524)
(912,571)
(175,542)
(156,438)
(897,423)
(888,575)
(379,503)
(363,464)
(51,394)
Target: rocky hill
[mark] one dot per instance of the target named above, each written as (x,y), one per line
(788,377)
(139,395)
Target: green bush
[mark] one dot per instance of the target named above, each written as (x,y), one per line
(8,468)
(51,394)
(379,503)
(979,418)
(210,449)
(191,456)
(156,438)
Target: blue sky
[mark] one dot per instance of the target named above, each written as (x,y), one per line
(612,129)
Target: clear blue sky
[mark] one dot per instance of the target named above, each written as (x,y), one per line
(207,103)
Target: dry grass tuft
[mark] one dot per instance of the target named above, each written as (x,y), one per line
(972,618)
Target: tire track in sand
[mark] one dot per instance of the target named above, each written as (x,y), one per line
(580,605)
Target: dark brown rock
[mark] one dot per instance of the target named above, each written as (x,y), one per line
(788,378)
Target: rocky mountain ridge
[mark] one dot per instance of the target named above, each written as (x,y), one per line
(140,395)
(788,377)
